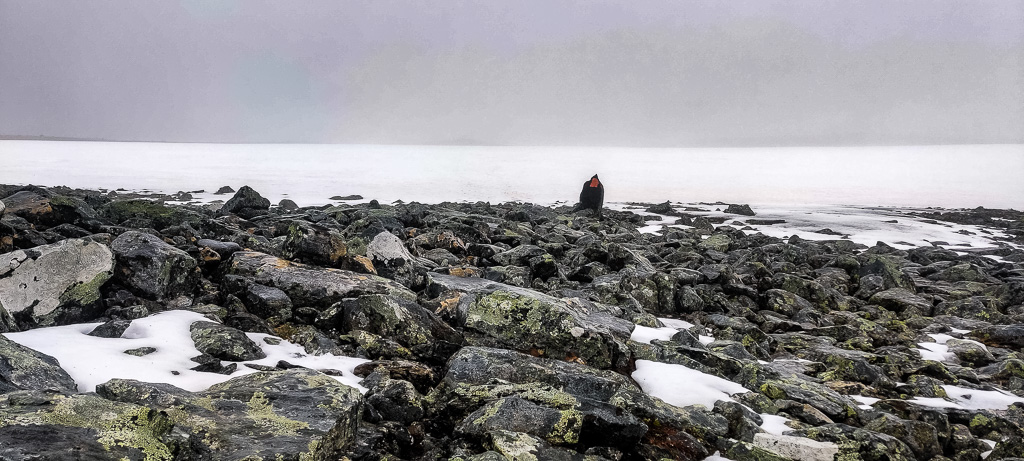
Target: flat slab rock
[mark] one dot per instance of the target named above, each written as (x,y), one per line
(311,285)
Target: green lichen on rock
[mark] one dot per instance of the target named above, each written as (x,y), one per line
(262,412)
(117,424)
(85,293)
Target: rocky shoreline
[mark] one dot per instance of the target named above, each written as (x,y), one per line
(507,331)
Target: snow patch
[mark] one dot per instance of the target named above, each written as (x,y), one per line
(682,386)
(92,360)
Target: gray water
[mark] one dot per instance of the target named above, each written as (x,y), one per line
(953,176)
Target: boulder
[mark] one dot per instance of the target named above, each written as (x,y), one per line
(526,320)
(740,209)
(310,285)
(902,301)
(224,342)
(313,244)
(292,414)
(3,208)
(52,426)
(54,284)
(267,302)
(857,443)
(224,249)
(408,323)
(615,412)
(22,368)
(147,213)
(152,268)
(245,198)
(797,448)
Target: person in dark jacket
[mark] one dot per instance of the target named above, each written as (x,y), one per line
(592,196)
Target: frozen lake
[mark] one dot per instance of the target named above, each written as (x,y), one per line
(944,176)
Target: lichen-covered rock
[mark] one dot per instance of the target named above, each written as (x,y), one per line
(52,426)
(310,285)
(560,427)
(147,213)
(888,268)
(920,436)
(39,206)
(408,323)
(615,411)
(224,342)
(54,284)
(312,244)
(22,368)
(152,268)
(295,414)
(527,320)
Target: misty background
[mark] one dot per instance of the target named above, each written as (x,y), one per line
(524,72)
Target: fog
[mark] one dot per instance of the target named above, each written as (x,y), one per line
(589,73)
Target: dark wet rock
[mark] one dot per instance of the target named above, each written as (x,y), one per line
(288,205)
(267,302)
(347,197)
(224,190)
(422,377)
(740,210)
(245,198)
(22,368)
(902,301)
(310,285)
(1002,335)
(392,400)
(296,413)
(54,284)
(223,249)
(224,343)
(111,329)
(921,437)
(152,268)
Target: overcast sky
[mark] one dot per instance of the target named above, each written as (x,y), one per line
(516,72)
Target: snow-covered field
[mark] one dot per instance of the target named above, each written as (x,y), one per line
(946,176)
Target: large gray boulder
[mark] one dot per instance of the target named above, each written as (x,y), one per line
(527,320)
(22,368)
(292,415)
(54,284)
(310,285)
(2,208)
(152,268)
